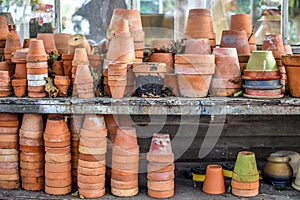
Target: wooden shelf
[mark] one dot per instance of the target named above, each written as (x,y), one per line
(153,106)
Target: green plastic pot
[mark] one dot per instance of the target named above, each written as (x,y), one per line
(261,61)
(245,169)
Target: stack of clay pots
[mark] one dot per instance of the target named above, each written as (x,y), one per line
(125,163)
(78,41)
(273,42)
(75,125)
(37,69)
(49,43)
(245,177)
(12,42)
(57,138)
(237,39)
(243,22)
(135,28)
(80,58)
(3,34)
(62,83)
(67,60)
(149,78)
(61,42)
(214,180)
(262,77)
(9,155)
(160,167)
(199,25)
(277,171)
(227,78)
(5,86)
(32,152)
(194,73)
(83,82)
(117,79)
(19,82)
(92,157)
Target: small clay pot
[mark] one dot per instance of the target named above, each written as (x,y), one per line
(4,66)
(61,42)
(273,42)
(36,52)
(214,180)
(57,68)
(133,17)
(56,126)
(48,40)
(236,39)
(126,137)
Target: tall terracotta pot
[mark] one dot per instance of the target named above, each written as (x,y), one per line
(49,43)
(291,63)
(236,39)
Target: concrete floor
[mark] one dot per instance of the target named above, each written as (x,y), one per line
(184,189)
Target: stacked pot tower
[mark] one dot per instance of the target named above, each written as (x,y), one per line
(125,163)
(9,151)
(32,152)
(3,34)
(160,169)
(57,140)
(37,69)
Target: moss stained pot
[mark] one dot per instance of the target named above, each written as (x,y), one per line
(149,78)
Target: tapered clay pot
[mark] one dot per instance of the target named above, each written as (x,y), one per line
(133,17)
(163,58)
(291,63)
(236,39)
(214,180)
(245,169)
(277,171)
(62,83)
(4,66)
(80,57)
(12,42)
(49,43)
(61,42)
(126,137)
(83,75)
(20,71)
(197,46)
(32,122)
(273,42)
(121,48)
(227,78)
(194,73)
(36,52)
(79,41)
(3,28)
(19,86)
(57,68)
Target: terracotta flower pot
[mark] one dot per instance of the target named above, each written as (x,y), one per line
(78,41)
(32,122)
(4,66)
(61,42)
(57,68)
(133,17)
(36,52)
(277,171)
(67,64)
(12,42)
(197,46)
(198,19)
(19,86)
(3,28)
(273,42)
(214,180)
(236,39)
(126,137)
(48,40)
(62,83)
(80,57)
(291,63)
(245,169)
(19,56)
(163,58)
(121,48)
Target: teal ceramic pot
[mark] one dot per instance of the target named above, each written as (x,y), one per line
(261,61)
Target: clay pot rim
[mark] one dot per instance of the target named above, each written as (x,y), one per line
(278,157)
